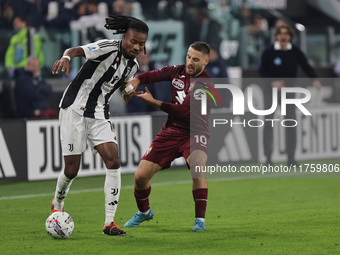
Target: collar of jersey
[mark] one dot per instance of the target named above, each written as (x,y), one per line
(277,46)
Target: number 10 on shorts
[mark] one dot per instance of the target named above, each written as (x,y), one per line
(201,139)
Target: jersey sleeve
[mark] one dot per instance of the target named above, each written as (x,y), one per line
(177,110)
(163,74)
(95,50)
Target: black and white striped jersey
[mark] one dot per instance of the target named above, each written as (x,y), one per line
(105,71)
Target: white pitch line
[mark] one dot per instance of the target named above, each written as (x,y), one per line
(88,190)
(153,184)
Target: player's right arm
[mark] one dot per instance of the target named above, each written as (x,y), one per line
(96,52)
(163,74)
(63,64)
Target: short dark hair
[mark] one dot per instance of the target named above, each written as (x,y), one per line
(21,17)
(122,23)
(201,47)
(289,29)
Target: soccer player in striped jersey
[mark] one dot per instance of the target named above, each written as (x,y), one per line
(177,136)
(84,108)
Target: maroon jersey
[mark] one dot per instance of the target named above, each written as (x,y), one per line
(179,117)
(190,113)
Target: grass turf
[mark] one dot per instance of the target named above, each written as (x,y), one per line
(244,216)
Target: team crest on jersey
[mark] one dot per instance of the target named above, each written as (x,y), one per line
(177,83)
(148,151)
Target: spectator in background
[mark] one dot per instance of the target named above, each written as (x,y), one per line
(66,15)
(121,7)
(216,67)
(257,40)
(135,105)
(279,23)
(33,10)
(22,45)
(92,7)
(32,92)
(6,16)
(279,62)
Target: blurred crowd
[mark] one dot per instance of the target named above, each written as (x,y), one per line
(209,20)
(221,23)
(218,22)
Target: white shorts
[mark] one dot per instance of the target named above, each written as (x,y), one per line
(76,130)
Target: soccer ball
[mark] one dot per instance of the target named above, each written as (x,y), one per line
(59,225)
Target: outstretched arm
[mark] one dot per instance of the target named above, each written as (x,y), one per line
(177,110)
(63,64)
(148,98)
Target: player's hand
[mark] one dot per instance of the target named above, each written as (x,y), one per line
(63,65)
(127,97)
(129,88)
(317,84)
(278,84)
(146,96)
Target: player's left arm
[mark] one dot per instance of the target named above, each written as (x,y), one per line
(308,69)
(147,98)
(177,110)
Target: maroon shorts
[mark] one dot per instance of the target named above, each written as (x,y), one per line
(170,144)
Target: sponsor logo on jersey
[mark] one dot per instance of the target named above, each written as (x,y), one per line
(177,83)
(91,48)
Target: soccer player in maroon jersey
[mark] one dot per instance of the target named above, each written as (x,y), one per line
(175,139)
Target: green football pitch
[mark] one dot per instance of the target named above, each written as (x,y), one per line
(245,215)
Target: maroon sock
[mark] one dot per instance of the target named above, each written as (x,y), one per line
(142,199)
(200,198)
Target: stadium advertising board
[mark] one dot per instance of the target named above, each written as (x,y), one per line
(232,145)
(317,136)
(44,154)
(13,151)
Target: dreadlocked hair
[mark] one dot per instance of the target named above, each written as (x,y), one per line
(121,23)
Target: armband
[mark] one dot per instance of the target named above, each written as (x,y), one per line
(68,57)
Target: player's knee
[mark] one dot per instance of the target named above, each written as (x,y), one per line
(70,173)
(113,163)
(197,162)
(140,180)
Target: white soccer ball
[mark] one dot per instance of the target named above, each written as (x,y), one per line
(59,225)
